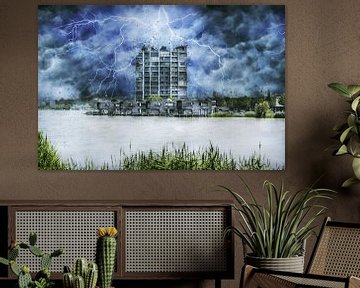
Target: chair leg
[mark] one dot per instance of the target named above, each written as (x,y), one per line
(217,283)
(246,274)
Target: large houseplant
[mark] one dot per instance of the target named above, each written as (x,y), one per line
(275,233)
(348,132)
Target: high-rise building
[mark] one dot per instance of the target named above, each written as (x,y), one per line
(161,73)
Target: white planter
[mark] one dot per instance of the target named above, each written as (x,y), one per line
(291,264)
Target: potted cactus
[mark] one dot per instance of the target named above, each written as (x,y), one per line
(106,254)
(84,275)
(42,278)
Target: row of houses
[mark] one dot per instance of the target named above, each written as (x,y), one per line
(166,107)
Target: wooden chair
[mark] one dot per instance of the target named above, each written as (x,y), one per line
(334,263)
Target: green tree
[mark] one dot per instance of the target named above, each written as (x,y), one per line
(282,99)
(262,109)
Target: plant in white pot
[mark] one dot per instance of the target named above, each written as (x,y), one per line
(276,233)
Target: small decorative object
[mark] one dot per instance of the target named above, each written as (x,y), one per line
(276,233)
(105,254)
(349,132)
(42,278)
(85,275)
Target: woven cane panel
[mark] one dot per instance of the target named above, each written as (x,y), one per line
(308,282)
(175,241)
(339,252)
(74,231)
(268,280)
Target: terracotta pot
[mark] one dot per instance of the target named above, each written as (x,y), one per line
(291,264)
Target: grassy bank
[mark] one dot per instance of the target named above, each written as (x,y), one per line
(208,158)
(48,157)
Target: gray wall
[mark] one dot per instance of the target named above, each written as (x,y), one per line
(322,46)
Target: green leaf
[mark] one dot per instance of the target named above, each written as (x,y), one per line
(353,89)
(279,228)
(355,103)
(340,88)
(351,120)
(342,150)
(354,145)
(345,134)
(4,261)
(356,167)
(349,182)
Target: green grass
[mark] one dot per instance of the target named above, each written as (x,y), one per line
(180,159)
(48,157)
(222,114)
(251,114)
(208,158)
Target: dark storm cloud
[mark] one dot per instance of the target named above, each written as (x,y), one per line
(233,50)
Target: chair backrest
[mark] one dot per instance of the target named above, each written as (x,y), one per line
(337,251)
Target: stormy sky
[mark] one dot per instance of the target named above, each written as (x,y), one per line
(90,50)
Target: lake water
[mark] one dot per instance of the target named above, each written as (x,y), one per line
(80,137)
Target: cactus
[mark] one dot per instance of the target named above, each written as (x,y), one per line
(14,268)
(23,273)
(13,253)
(24,280)
(45,261)
(87,272)
(68,280)
(24,277)
(67,269)
(79,282)
(80,267)
(44,273)
(24,245)
(32,238)
(36,251)
(105,254)
(91,276)
(57,253)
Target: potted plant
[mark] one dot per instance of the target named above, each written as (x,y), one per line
(42,278)
(348,132)
(276,233)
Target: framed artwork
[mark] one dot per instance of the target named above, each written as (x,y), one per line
(161,87)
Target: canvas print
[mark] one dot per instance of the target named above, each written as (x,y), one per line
(161,87)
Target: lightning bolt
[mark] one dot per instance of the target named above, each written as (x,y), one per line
(168,23)
(105,78)
(280,30)
(111,70)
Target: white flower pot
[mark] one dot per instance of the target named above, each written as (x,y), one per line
(291,264)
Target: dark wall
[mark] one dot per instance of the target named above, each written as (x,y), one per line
(322,46)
